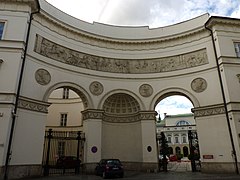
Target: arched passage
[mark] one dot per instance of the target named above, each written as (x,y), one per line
(64,136)
(83,94)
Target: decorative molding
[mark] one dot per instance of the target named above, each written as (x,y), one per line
(146,90)
(130,118)
(121,118)
(208,111)
(7,98)
(199,85)
(92,114)
(65,55)
(96,88)
(118,118)
(33,105)
(116,43)
(42,76)
(147,115)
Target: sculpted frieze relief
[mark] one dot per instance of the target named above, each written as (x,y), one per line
(33,105)
(137,66)
(208,111)
(92,114)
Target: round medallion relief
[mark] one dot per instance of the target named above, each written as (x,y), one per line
(199,85)
(42,76)
(145,90)
(96,88)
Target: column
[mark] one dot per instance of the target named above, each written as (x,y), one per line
(149,145)
(92,127)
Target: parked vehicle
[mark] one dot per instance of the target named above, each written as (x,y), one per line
(109,167)
(173,157)
(68,162)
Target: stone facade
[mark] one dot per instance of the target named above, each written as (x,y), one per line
(102,63)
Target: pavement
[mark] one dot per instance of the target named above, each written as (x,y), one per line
(176,171)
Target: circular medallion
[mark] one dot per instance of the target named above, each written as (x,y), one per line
(96,88)
(199,85)
(145,90)
(42,76)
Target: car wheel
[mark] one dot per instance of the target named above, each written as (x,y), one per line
(104,175)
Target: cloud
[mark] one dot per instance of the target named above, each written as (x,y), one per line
(154,13)
(174,105)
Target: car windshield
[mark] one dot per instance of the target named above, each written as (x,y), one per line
(113,161)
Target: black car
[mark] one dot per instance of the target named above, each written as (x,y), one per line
(68,162)
(109,167)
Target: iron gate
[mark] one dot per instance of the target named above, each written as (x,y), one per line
(63,152)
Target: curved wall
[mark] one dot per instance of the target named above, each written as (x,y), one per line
(100,60)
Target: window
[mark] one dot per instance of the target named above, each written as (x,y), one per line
(182,123)
(184,139)
(61,149)
(169,139)
(237,48)
(1,29)
(176,139)
(65,93)
(63,121)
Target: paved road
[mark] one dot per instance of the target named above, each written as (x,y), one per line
(177,171)
(152,176)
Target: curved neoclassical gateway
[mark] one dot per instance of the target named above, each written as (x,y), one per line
(120,73)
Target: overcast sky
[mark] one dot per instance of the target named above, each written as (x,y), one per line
(152,13)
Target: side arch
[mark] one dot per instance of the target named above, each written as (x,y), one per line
(141,104)
(174,91)
(83,94)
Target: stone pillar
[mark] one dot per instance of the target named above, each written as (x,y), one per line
(92,127)
(214,139)
(149,144)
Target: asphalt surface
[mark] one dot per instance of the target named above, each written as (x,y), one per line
(151,176)
(176,171)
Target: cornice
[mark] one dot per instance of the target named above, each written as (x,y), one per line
(32,3)
(226,21)
(119,44)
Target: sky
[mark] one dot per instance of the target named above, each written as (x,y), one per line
(152,13)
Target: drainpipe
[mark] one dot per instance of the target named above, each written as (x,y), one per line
(224,99)
(14,112)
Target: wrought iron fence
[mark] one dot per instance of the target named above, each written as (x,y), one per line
(63,152)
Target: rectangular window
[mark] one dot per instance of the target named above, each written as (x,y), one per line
(184,139)
(63,121)
(61,149)
(169,139)
(65,93)
(176,139)
(1,29)
(237,48)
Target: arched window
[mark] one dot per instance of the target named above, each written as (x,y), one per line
(182,123)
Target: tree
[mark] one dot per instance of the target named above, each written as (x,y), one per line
(164,150)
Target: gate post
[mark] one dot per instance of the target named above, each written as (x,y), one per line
(78,148)
(46,167)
